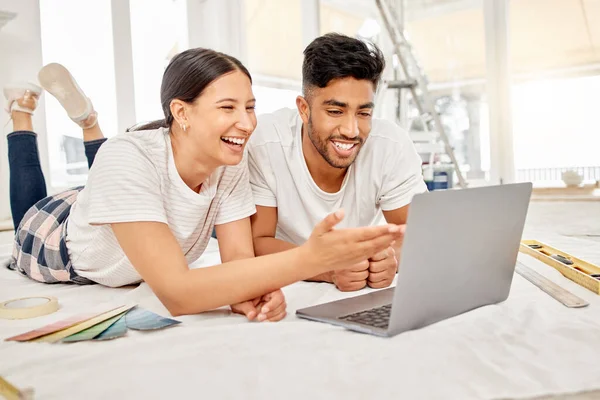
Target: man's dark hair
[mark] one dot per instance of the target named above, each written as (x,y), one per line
(334,56)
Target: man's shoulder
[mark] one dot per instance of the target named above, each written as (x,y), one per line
(275,127)
(385,139)
(388,131)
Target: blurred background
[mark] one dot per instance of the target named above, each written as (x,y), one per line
(516,82)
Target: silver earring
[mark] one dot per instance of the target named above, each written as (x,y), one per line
(183,127)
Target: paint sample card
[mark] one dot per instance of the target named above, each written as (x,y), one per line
(58,326)
(143,320)
(114,331)
(90,333)
(57,336)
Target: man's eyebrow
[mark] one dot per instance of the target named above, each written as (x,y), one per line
(335,103)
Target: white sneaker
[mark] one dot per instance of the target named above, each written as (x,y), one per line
(16,92)
(59,82)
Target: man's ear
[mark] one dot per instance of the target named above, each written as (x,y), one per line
(303,109)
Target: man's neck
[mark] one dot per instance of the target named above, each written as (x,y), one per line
(328,178)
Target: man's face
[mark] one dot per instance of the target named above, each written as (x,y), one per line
(338,119)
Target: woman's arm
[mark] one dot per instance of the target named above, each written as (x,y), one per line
(156,255)
(235,243)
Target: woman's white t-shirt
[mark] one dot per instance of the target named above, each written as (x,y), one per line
(134,179)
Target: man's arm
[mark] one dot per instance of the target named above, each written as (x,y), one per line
(235,240)
(384,265)
(264,226)
(399,217)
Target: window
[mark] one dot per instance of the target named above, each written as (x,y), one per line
(85,46)
(158,32)
(555,129)
(555,59)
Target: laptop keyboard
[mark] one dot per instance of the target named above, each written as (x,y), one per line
(378,317)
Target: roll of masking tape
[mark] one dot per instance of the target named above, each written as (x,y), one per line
(28,307)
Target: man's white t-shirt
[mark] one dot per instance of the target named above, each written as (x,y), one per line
(134,179)
(385,176)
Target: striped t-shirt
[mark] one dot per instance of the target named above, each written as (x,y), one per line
(134,179)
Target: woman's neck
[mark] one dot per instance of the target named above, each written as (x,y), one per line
(193,168)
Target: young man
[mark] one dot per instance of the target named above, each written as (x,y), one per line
(331,153)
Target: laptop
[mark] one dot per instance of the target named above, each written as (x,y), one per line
(459,253)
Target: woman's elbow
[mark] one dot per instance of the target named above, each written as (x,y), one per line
(175,306)
(173,298)
(181,307)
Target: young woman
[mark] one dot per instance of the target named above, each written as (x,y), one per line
(153,196)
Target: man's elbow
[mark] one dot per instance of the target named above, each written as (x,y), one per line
(259,245)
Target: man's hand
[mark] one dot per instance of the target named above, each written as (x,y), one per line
(382,268)
(268,307)
(351,279)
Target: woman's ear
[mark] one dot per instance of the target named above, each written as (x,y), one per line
(178,110)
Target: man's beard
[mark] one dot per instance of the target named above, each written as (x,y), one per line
(322,148)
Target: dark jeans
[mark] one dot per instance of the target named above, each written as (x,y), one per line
(27,183)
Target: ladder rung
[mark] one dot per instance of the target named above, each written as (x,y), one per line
(409,84)
(421,136)
(427,148)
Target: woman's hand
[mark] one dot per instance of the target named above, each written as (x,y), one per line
(269,307)
(330,249)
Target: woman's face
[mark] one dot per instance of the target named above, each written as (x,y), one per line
(222,119)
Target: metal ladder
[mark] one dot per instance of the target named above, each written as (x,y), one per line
(415,81)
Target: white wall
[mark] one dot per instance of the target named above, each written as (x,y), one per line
(21,54)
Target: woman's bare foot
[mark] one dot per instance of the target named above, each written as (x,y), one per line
(59,82)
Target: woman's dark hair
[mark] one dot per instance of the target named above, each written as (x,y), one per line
(186,77)
(334,56)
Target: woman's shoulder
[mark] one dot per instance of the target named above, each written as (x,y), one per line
(151,143)
(154,138)
(138,150)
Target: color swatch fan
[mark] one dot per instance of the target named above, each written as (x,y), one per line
(110,323)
